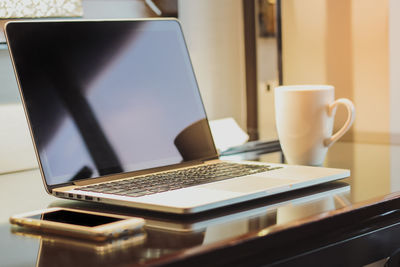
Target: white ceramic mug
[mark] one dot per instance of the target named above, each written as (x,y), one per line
(304,119)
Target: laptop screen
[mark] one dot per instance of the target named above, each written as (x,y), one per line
(105,97)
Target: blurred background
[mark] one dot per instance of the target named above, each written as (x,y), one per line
(242,49)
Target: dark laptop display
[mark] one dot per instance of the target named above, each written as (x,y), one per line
(101,104)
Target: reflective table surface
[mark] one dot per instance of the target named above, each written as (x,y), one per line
(210,237)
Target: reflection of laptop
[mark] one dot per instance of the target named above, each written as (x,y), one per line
(322,197)
(116,117)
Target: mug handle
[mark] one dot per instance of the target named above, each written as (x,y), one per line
(351,112)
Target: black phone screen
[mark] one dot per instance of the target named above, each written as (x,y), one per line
(75,218)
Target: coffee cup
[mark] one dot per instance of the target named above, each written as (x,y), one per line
(304,119)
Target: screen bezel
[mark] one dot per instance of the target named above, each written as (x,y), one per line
(49,187)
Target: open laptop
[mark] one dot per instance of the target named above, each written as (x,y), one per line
(116,117)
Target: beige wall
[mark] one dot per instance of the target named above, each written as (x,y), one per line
(394,63)
(343,43)
(267,72)
(215,37)
(303,41)
(371,68)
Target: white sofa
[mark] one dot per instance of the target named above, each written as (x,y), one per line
(16,149)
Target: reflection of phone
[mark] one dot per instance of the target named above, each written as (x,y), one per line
(106,247)
(77,223)
(66,251)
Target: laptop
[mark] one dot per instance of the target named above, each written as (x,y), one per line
(116,117)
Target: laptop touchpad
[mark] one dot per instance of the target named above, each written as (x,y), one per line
(250,184)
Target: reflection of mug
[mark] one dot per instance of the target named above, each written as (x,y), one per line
(194,141)
(297,211)
(304,120)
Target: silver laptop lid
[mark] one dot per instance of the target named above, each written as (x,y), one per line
(107,97)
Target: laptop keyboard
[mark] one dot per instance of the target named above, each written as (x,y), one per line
(171,180)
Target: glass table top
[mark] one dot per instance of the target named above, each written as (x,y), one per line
(375,172)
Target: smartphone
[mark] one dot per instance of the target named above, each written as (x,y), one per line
(94,226)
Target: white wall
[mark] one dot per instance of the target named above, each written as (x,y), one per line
(8,84)
(16,149)
(214,34)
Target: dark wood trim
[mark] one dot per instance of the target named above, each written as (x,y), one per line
(347,237)
(251,67)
